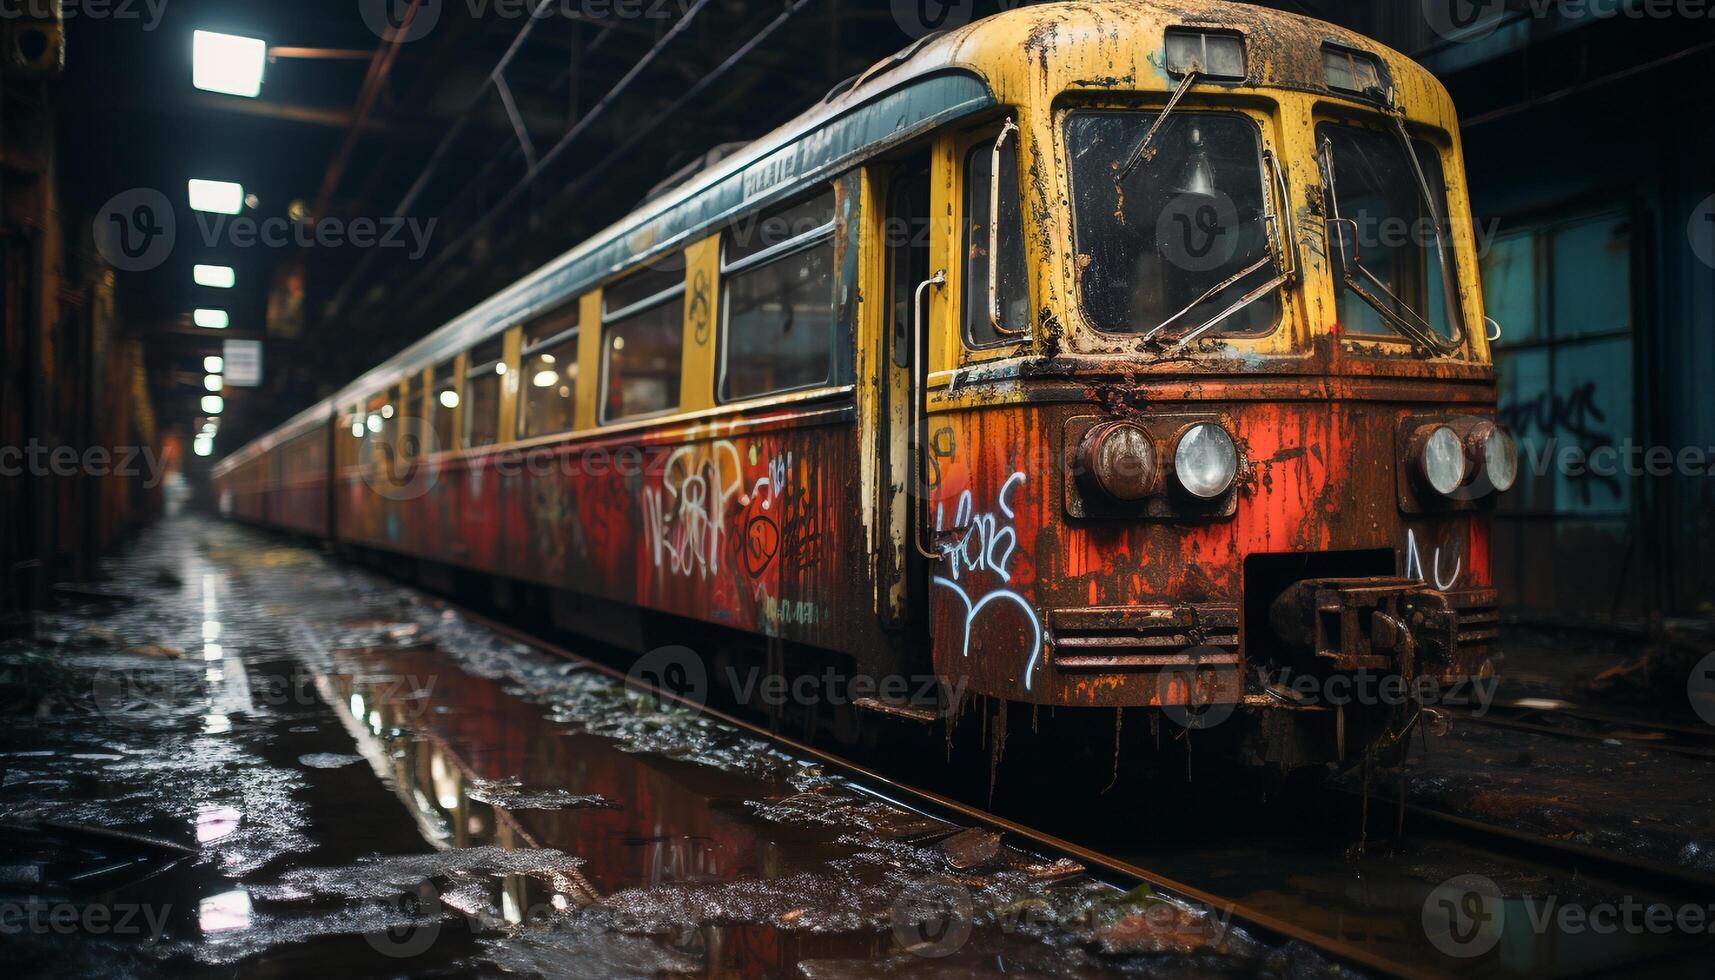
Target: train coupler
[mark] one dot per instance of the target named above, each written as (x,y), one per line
(1388,624)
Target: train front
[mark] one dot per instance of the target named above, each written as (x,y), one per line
(1262,391)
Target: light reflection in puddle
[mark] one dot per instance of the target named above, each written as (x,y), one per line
(216,724)
(212,651)
(210,629)
(224,912)
(215,822)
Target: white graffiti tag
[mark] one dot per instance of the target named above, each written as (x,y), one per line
(685,516)
(1414,564)
(987,543)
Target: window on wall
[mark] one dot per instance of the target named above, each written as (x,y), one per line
(443,401)
(487,368)
(1562,295)
(1013,291)
(778,322)
(549,373)
(643,334)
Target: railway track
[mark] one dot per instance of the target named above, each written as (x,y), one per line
(1564,719)
(1106,867)
(1534,854)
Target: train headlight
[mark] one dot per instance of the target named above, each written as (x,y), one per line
(1120,458)
(1499,454)
(1205,460)
(1441,459)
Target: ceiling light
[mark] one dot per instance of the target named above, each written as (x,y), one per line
(213,404)
(218,276)
(217,196)
(203,447)
(212,382)
(213,364)
(212,319)
(227,63)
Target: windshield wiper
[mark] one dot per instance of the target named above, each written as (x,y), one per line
(1142,151)
(1396,311)
(1280,244)
(1449,291)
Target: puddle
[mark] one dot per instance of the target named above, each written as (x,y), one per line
(336,774)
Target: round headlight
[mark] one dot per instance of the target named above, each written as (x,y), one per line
(1120,458)
(1500,458)
(1441,460)
(1205,460)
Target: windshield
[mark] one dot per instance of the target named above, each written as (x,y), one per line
(1180,244)
(1390,238)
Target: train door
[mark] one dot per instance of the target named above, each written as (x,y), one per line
(906,265)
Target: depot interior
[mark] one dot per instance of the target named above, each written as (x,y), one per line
(1586,153)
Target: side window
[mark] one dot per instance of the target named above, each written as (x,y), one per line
(1010,272)
(550,373)
(400,436)
(643,331)
(778,322)
(443,402)
(350,451)
(482,394)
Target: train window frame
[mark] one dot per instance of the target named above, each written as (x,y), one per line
(478,365)
(610,318)
(1438,145)
(1259,123)
(564,324)
(1353,57)
(823,234)
(1185,32)
(979,140)
(441,376)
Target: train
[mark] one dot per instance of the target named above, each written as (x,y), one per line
(1091,356)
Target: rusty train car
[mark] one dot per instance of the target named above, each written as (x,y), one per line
(1093,355)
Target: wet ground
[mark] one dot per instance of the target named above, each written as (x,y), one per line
(234,754)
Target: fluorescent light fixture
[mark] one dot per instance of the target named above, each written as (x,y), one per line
(218,276)
(214,364)
(213,404)
(212,319)
(212,382)
(227,63)
(216,196)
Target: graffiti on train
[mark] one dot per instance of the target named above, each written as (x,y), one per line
(984,542)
